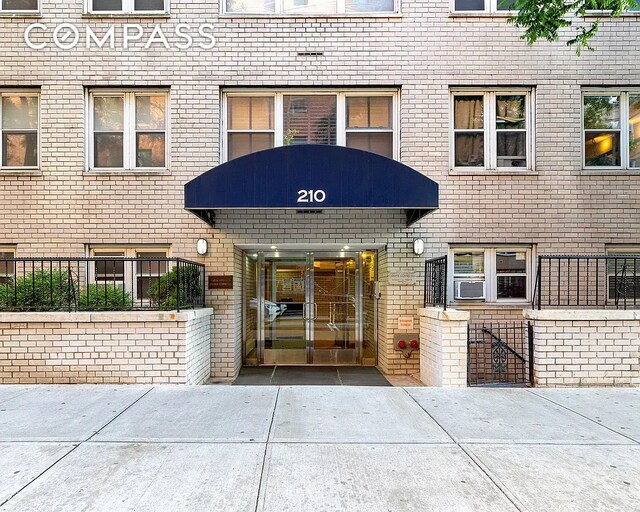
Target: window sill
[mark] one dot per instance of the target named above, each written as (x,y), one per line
(20,15)
(20,172)
(493,172)
(471,14)
(600,14)
(164,15)
(490,305)
(610,172)
(346,16)
(127,172)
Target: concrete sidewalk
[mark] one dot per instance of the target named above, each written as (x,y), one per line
(370,449)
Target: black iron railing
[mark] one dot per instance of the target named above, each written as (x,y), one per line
(435,282)
(500,353)
(100,284)
(602,282)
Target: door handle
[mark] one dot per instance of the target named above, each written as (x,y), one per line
(306,312)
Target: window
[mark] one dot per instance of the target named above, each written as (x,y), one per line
(492,274)
(136,277)
(261,120)
(491,130)
(475,6)
(309,7)
(611,129)
(597,8)
(21,6)
(19,125)
(128,6)
(128,130)
(7,268)
(623,274)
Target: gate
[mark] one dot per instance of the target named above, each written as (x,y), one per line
(500,353)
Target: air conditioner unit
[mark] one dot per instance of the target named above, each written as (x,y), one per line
(469,289)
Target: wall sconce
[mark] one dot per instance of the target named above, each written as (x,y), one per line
(418,247)
(202,247)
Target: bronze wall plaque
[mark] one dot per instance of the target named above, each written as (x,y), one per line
(220,282)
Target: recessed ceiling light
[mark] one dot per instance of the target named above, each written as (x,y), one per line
(273,247)
(346,247)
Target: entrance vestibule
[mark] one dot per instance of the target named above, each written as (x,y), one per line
(316,308)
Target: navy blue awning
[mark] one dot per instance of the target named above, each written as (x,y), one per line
(312,177)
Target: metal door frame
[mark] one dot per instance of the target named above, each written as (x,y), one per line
(309,309)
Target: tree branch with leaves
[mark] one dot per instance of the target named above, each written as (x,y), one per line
(543,19)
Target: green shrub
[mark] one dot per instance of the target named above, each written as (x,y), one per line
(105,297)
(164,291)
(42,290)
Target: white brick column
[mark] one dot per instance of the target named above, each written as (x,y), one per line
(443,347)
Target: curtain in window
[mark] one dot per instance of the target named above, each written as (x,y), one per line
(469,144)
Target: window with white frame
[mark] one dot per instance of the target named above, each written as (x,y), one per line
(20,6)
(19,126)
(491,129)
(7,268)
(599,8)
(491,274)
(135,277)
(611,129)
(258,120)
(623,273)
(476,6)
(127,6)
(309,7)
(128,129)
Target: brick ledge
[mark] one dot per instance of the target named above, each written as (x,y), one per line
(450,315)
(580,314)
(110,316)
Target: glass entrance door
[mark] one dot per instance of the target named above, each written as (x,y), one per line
(308,308)
(336,334)
(283,297)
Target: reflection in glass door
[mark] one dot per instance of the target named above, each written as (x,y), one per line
(306,308)
(284,308)
(336,300)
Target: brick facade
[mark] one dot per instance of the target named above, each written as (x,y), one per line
(105,348)
(60,209)
(586,348)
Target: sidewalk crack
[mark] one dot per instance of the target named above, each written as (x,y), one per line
(500,486)
(264,469)
(74,448)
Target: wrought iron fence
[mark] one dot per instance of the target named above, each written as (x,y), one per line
(500,353)
(100,284)
(435,282)
(603,282)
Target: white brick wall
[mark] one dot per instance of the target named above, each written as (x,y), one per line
(96,348)
(586,348)
(58,210)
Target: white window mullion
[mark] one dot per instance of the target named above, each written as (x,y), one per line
(624,130)
(278,106)
(490,276)
(341,119)
(490,139)
(2,133)
(129,131)
(128,5)
(341,7)
(528,109)
(395,106)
